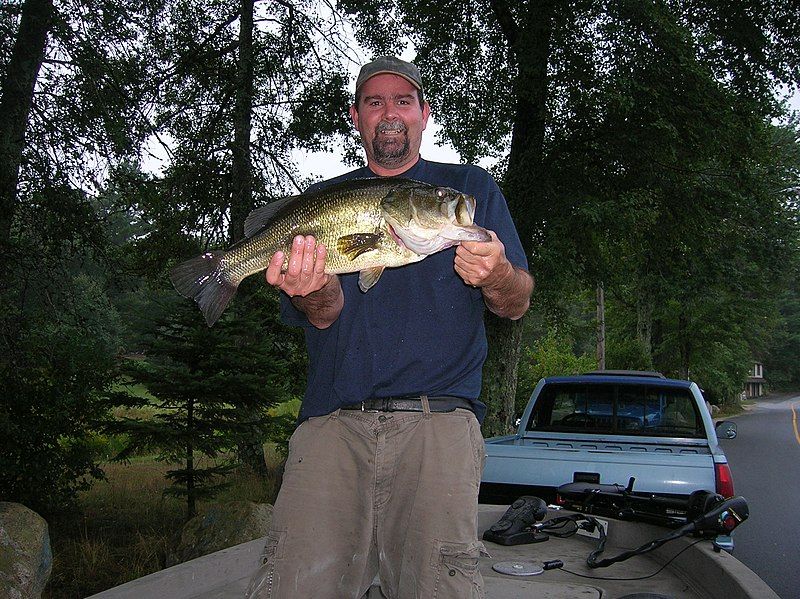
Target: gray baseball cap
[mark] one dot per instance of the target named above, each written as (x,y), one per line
(390,64)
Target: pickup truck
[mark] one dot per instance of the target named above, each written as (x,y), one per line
(640,430)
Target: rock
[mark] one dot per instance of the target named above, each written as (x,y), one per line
(26,558)
(222,526)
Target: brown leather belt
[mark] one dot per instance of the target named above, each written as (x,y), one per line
(410,404)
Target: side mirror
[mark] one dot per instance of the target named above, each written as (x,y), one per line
(726,429)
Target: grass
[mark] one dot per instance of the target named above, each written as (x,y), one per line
(125,526)
(725,411)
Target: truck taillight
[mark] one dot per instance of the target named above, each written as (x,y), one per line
(722,474)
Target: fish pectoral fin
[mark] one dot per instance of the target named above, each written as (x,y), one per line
(368,277)
(356,244)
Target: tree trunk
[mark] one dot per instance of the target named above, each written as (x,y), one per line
(684,346)
(250,451)
(191,493)
(241,175)
(16,100)
(500,374)
(529,42)
(601,328)
(644,324)
(530,45)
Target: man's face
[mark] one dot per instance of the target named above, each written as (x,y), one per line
(391,122)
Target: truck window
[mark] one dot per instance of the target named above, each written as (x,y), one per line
(617,409)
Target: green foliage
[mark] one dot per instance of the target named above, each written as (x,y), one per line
(652,164)
(59,338)
(283,422)
(781,364)
(551,355)
(212,388)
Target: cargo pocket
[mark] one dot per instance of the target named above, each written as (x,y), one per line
(263,584)
(457,574)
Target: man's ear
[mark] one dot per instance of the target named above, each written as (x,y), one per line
(426,112)
(354,115)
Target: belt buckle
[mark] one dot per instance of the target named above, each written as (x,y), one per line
(364,409)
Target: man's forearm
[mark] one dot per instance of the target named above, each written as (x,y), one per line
(322,307)
(511,296)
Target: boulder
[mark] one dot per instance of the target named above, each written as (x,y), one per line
(26,558)
(222,525)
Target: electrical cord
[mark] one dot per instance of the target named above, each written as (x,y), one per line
(656,573)
(579,521)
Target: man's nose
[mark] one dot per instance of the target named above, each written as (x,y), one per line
(389,111)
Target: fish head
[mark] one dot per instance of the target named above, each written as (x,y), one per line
(427,219)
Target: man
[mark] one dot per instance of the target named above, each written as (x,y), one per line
(383,471)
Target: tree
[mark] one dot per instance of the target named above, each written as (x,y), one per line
(16,99)
(203,381)
(59,123)
(242,91)
(59,337)
(579,99)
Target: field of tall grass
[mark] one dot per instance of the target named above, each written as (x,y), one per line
(125,527)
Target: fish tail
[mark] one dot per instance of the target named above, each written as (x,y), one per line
(203,280)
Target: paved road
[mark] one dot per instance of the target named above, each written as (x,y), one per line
(765,460)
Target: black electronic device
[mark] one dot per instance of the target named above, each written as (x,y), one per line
(516,526)
(626,504)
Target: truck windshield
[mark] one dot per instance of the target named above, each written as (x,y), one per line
(617,409)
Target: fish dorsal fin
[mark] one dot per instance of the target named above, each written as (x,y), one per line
(261,216)
(356,244)
(368,277)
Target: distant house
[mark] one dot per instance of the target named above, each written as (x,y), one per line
(754,387)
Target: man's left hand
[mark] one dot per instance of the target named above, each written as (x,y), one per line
(483,263)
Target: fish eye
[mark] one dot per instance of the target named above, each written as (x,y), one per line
(440,192)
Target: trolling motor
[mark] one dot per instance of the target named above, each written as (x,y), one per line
(626,504)
(721,519)
(706,514)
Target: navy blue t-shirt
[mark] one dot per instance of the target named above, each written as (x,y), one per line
(419,330)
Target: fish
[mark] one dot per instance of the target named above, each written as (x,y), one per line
(367,225)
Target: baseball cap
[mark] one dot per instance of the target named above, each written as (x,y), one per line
(390,64)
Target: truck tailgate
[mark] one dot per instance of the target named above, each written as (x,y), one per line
(678,469)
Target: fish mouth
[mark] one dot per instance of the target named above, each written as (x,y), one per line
(447,236)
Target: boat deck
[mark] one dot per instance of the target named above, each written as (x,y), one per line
(698,572)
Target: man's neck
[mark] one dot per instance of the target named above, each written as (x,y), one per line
(392,172)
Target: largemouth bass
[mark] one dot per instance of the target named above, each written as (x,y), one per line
(367,225)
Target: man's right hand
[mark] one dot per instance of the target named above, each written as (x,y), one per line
(317,294)
(306,271)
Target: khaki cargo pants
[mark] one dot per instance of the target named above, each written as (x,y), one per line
(392,493)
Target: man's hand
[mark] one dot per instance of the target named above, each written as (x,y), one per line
(306,271)
(317,294)
(483,264)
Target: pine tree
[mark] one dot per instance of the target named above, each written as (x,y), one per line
(203,379)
